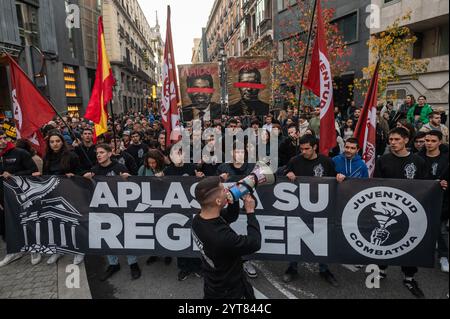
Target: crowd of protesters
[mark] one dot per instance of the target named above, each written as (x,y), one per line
(412,133)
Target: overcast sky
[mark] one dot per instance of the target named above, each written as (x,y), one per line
(188,19)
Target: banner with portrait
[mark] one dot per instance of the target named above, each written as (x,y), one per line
(200,91)
(249,86)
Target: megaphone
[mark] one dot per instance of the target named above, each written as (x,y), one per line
(261,175)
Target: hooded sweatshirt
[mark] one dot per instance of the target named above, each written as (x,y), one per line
(352,168)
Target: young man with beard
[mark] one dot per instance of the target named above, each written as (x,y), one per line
(310,163)
(349,164)
(436,163)
(108,167)
(85,149)
(435,124)
(402,164)
(13,162)
(221,248)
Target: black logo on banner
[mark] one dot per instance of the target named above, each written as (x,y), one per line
(384,223)
(53,222)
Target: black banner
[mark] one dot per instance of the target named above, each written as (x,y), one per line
(391,222)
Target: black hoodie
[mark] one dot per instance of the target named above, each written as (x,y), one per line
(113,169)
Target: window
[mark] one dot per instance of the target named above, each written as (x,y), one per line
(348,26)
(397,96)
(431,42)
(284,4)
(283,48)
(70,35)
(27,17)
(443,40)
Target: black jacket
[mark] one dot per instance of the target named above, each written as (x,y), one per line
(17,162)
(52,165)
(138,152)
(128,161)
(87,158)
(222,251)
(287,151)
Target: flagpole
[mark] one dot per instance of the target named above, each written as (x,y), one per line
(306,55)
(113,117)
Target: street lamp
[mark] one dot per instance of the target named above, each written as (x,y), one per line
(223,75)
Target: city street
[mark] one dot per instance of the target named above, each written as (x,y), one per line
(160,282)
(222,129)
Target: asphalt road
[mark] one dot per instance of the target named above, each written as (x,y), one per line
(159,281)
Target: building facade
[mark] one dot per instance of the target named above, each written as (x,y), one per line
(350,16)
(430,24)
(128,36)
(196,53)
(240,27)
(157,45)
(50,48)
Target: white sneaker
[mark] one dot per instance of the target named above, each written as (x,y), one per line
(444,264)
(53,259)
(78,260)
(353,268)
(250,270)
(11,258)
(36,258)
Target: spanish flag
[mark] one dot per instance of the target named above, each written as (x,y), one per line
(102,94)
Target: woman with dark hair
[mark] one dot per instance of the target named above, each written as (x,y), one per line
(402,112)
(59,160)
(153,164)
(348,130)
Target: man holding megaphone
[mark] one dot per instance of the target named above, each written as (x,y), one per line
(221,248)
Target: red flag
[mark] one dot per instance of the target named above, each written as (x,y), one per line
(366,129)
(102,93)
(320,82)
(31,109)
(170,98)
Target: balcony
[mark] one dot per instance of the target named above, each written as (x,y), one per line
(264,26)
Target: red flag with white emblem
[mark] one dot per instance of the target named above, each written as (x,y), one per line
(31,109)
(366,130)
(170,98)
(320,82)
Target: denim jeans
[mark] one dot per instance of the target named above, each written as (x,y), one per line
(114,260)
(294,267)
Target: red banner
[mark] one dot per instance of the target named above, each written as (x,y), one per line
(170,98)
(320,82)
(31,109)
(366,129)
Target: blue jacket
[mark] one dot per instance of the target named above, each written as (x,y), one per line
(354,168)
